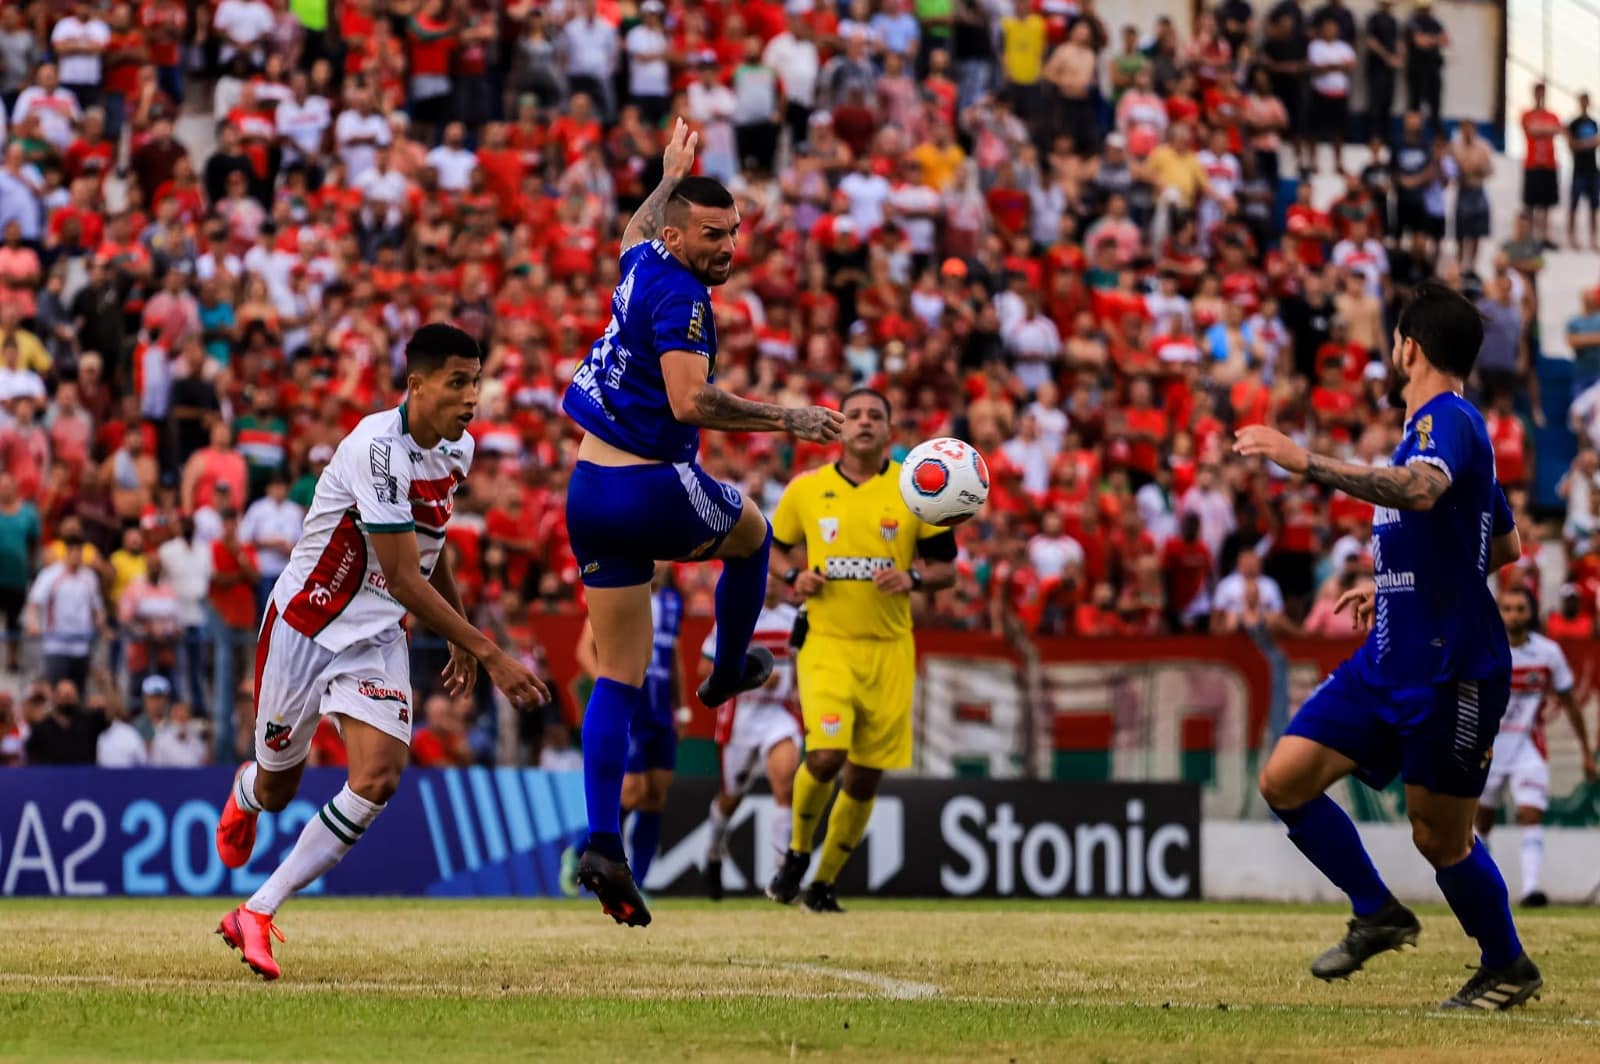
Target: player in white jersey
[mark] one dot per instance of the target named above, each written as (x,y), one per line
(757,734)
(332,642)
(1538,670)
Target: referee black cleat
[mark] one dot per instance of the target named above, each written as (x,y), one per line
(1536,900)
(758,665)
(1389,928)
(1499,989)
(612,883)
(713,874)
(820,898)
(785,886)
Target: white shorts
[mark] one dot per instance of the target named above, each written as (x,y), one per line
(1519,767)
(756,731)
(298,681)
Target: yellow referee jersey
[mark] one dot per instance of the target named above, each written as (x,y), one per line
(850,532)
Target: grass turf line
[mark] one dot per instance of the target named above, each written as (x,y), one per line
(504,980)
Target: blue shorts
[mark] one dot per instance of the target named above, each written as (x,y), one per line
(623,519)
(1586,189)
(1439,736)
(653,739)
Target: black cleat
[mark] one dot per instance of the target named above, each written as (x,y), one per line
(1535,900)
(820,898)
(713,874)
(758,665)
(1499,989)
(612,883)
(785,886)
(1389,928)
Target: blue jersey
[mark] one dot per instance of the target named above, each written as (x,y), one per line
(618,393)
(1435,619)
(666,616)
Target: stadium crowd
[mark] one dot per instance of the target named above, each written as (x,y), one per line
(1058,237)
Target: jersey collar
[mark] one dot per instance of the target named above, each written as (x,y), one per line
(405,421)
(838,467)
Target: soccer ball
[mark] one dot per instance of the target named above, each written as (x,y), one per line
(944,481)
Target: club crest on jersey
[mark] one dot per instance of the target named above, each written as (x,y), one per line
(1425,432)
(374,688)
(277,738)
(830,724)
(829,527)
(888,528)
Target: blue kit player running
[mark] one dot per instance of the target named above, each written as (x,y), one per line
(1422,698)
(636,496)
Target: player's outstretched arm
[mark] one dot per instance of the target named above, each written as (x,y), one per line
(1569,706)
(402,569)
(676,162)
(696,401)
(1416,486)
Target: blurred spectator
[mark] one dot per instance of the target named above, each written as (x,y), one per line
(66,613)
(235,577)
(441,742)
(68,733)
(180,741)
(272,525)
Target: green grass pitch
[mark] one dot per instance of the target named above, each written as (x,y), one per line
(504,981)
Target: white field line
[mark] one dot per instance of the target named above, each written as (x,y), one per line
(895,989)
(886,987)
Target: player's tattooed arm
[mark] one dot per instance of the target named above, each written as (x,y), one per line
(1416,486)
(676,163)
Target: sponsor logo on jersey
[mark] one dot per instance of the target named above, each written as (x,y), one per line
(592,567)
(888,528)
(829,527)
(383,482)
(1424,429)
(277,738)
(320,596)
(405,715)
(830,724)
(1401,581)
(372,687)
(697,323)
(844,567)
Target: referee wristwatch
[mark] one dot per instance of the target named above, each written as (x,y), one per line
(916,579)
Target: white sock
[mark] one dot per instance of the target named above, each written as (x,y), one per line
(717,846)
(1532,857)
(327,837)
(244,789)
(782,827)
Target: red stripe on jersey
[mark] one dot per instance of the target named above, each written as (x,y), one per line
(433,501)
(334,580)
(263,648)
(724,730)
(1530,679)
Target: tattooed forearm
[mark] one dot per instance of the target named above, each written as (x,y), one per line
(647,221)
(717,409)
(1409,487)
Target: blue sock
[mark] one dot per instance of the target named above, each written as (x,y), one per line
(1477,895)
(741,592)
(646,840)
(605,756)
(1324,833)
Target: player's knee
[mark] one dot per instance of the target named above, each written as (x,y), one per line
(1439,848)
(1281,789)
(825,764)
(861,783)
(1528,816)
(376,784)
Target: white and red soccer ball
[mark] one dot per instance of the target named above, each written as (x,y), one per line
(944,481)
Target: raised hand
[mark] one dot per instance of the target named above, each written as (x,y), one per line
(678,160)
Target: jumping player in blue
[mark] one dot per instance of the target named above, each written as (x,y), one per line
(1423,696)
(653,734)
(636,496)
